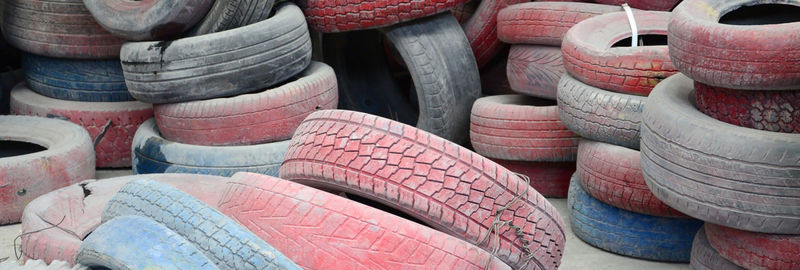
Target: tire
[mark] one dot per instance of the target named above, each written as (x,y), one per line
(331,232)
(598,114)
(659,5)
(753,250)
(535,70)
(687,155)
(420,174)
(588,55)
(732,56)
(150,20)
(226,243)
(62,29)
(613,175)
(111,125)
(551,179)
(627,233)
(330,16)
(63,156)
(76,80)
(76,209)
(153,154)
(226,15)
(39,265)
(465,11)
(177,71)
(777,111)
(139,243)
(481,30)
(705,257)
(517,127)
(268,116)
(493,75)
(544,23)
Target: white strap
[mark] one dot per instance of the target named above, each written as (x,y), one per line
(632,22)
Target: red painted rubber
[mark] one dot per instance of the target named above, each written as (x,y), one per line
(110,124)
(319,230)
(268,116)
(613,175)
(481,30)
(551,179)
(659,5)
(777,111)
(339,16)
(535,70)
(753,250)
(464,11)
(439,182)
(517,127)
(544,23)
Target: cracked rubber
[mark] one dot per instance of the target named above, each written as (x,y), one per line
(687,155)
(439,182)
(230,14)
(753,250)
(777,111)
(600,115)
(481,29)
(659,5)
(551,179)
(544,23)
(339,16)
(148,20)
(76,80)
(705,257)
(535,70)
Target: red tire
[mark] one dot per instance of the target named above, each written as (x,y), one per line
(659,5)
(705,257)
(535,70)
(111,125)
(481,29)
(464,11)
(517,127)
(268,116)
(339,16)
(613,175)
(551,179)
(777,111)
(439,182)
(544,23)
(753,250)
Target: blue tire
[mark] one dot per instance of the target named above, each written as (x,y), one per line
(76,80)
(154,154)
(227,244)
(133,242)
(627,233)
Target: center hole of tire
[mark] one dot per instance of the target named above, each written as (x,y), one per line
(532,101)
(18,148)
(762,14)
(644,40)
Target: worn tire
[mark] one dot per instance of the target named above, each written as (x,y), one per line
(777,111)
(754,250)
(517,127)
(465,11)
(686,155)
(598,114)
(445,185)
(76,80)
(111,125)
(535,70)
(67,159)
(544,23)
(331,16)
(481,29)
(147,20)
(551,179)
(659,5)
(226,15)
(268,116)
(133,242)
(705,257)
(627,233)
(201,67)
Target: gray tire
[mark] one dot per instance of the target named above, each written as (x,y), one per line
(705,257)
(230,14)
(147,20)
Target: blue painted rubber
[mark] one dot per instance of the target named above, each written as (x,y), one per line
(226,243)
(627,233)
(133,242)
(76,80)
(154,154)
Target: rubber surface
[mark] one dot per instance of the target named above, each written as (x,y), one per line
(481,29)
(660,5)
(777,111)
(464,11)
(76,80)
(201,67)
(148,20)
(133,242)
(544,23)
(445,185)
(111,125)
(63,29)
(153,154)
(748,57)
(68,158)
(551,179)
(331,16)
(535,70)
(517,127)
(267,116)
(754,250)
(598,114)
(628,233)
(226,15)
(705,257)
(686,155)
(39,265)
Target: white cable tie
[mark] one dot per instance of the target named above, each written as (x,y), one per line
(632,22)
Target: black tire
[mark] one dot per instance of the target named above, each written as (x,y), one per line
(733,176)
(705,257)
(227,63)
(139,243)
(76,80)
(226,243)
(230,14)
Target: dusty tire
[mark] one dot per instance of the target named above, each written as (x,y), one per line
(226,15)
(598,114)
(753,250)
(111,125)
(551,179)
(535,70)
(517,127)
(777,111)
(705,257)
(67,158)
(147,20)
(268,116)
(544,23)
(481,29)
(686,155)
(331,16)
(464,11)
(176,71)
(76,80)
(425,176)
(659,5)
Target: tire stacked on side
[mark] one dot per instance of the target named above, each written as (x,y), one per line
(720,141)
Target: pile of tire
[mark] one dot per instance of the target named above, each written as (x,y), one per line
(721,140)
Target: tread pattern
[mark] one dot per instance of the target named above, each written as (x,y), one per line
(754,250)
(535,70)
(76,80)
(705,257)
(481,29)
(336,16)
(660,5)
(437,181)
(777,111)
(226,15)
(544,23)
(551,179)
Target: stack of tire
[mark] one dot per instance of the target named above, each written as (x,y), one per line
(721,140)
(601,98)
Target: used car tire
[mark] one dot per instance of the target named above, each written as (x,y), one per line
(660,5)
(544,23)
(551,179)
(226,15)
(481,29)
(76,80)
(147,20)
(777,111)
(753,250)
(705,257)
(335,16)
(535,70)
